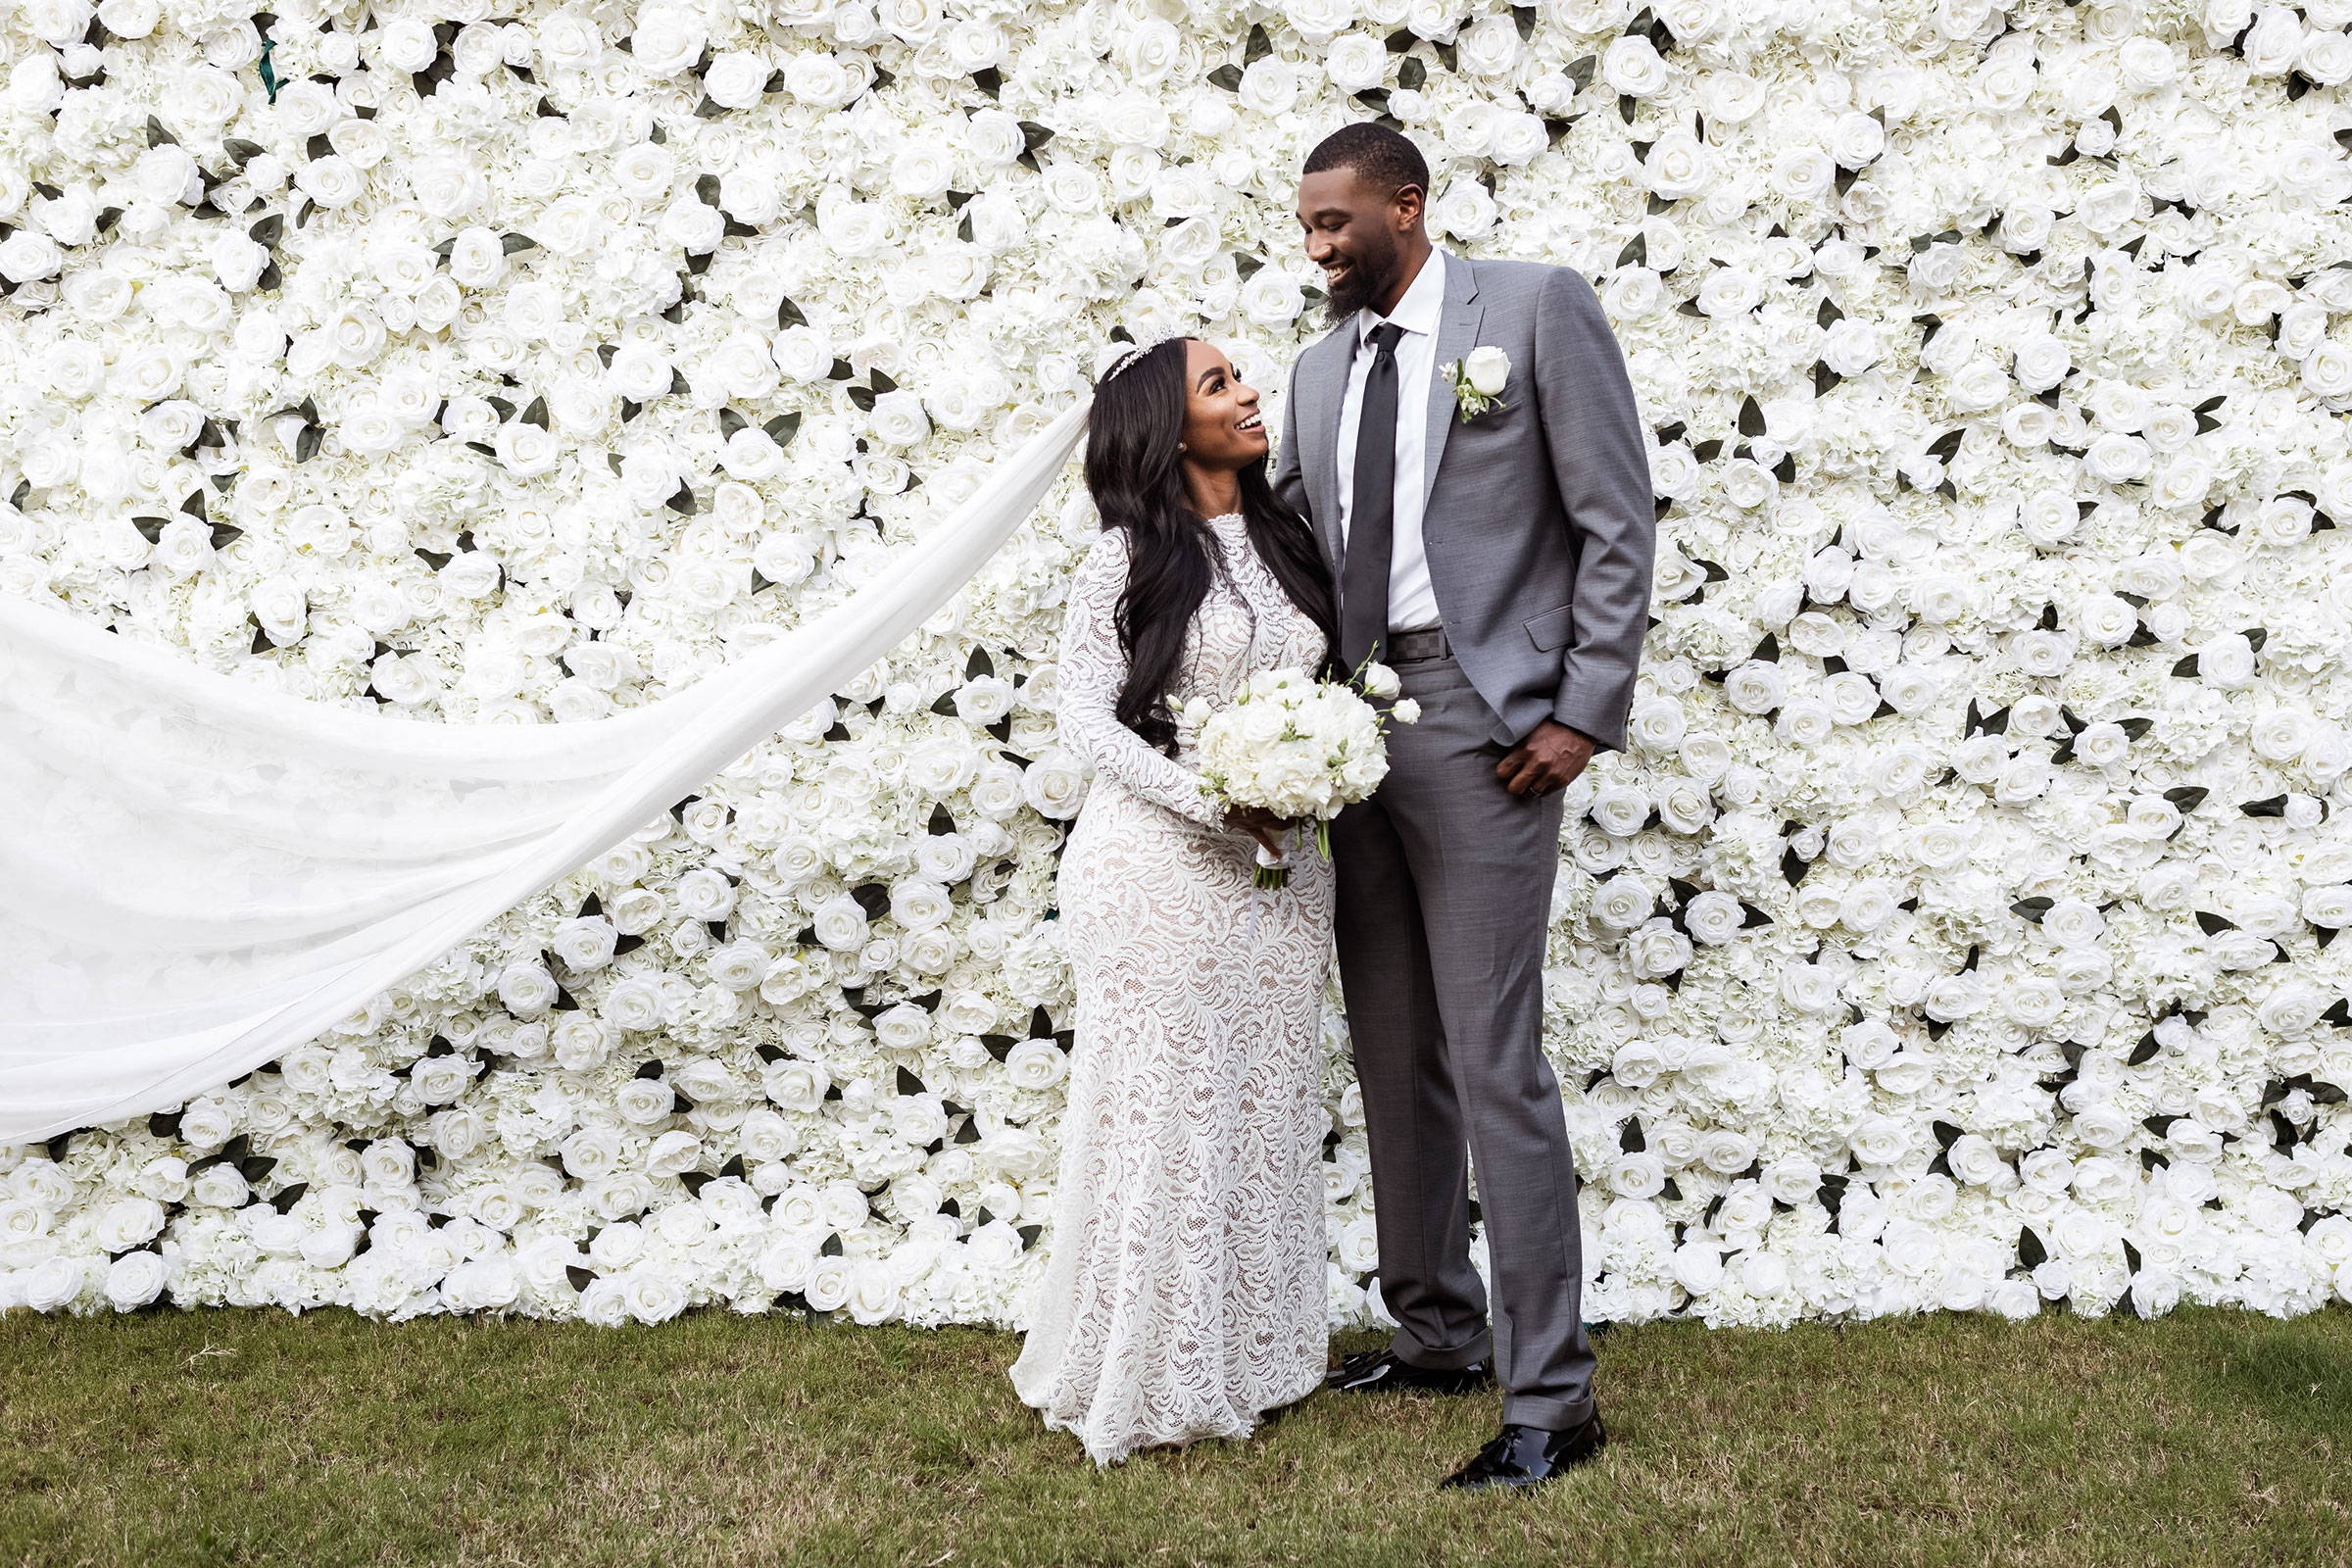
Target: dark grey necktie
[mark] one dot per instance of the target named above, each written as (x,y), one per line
(1371,509)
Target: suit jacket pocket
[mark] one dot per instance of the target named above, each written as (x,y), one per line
(1551,629)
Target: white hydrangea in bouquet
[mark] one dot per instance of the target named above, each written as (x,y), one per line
(1296,747)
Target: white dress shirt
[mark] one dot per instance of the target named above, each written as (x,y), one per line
(1412,604)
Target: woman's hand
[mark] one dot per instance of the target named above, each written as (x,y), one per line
(1260,824)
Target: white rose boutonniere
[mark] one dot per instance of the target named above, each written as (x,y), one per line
(1478,379)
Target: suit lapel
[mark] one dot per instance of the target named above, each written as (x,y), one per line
(1457,334)
(1322,390)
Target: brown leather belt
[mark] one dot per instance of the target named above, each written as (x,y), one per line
(1411,647)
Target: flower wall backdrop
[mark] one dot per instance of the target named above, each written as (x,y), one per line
(1955,933)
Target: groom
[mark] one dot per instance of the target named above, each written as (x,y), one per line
(1496,552)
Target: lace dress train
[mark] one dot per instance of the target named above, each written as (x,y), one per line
(1185,1292)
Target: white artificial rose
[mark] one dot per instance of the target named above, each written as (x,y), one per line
(1053,784)
(736,78)
(135,1279)
(129,1223)
(1355,62)
(898,418)
(666,39)
(1035,1064)
(1632,67)
(1487,368)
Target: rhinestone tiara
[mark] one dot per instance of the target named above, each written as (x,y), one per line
(1136,352)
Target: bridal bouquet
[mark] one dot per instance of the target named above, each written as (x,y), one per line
(1296,747)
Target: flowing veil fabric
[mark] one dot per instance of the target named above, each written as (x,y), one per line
(198,873)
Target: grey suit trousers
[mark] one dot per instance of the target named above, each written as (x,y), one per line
(1445,894)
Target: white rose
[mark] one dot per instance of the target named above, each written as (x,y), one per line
(406,43)
(666,39)
(135,1279)
(736,78)
(127,1223)
(1053,784)
(632,1003)
(1035,1064)
(526,988)
(1269,87)
(1633,69)
(1487,368)
(840,923)
(1355,62)
(898,418)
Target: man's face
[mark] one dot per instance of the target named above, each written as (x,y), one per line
(1352,228)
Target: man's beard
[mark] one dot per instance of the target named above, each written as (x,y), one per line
(1368,278)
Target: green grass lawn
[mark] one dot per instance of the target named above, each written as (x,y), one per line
(231,1437)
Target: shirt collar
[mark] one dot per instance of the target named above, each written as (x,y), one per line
(1418,310)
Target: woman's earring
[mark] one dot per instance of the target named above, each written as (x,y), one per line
(1180,446)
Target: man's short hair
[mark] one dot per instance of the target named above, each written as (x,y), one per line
(1383,157)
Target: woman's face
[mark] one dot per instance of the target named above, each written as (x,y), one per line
(1222,428)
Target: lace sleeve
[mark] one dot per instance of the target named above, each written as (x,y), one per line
(1091,669)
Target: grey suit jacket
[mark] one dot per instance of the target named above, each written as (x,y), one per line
(1539,522)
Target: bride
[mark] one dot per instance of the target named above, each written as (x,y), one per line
(1185,1292)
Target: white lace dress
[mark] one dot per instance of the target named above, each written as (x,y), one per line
(1184,1292)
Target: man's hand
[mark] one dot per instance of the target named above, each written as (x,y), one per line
(1548,759)
(1260,824)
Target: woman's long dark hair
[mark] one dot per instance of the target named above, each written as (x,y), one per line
(1137,478)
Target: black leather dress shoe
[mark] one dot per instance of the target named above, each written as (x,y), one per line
(1370,1371)
(1523,1455)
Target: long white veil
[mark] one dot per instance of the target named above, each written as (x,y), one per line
(198,873)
